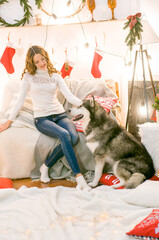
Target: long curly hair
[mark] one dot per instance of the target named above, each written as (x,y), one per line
(29,63)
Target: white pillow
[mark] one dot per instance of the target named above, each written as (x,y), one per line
(146,195)
(10,88)
(149,133)
(27,106)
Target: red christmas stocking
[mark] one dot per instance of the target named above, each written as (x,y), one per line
(66,69)
(95,65)
(6,59)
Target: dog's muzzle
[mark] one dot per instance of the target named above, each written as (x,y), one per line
(77,117)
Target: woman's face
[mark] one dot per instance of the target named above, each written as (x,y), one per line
(40,61)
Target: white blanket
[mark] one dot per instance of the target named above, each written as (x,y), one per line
(63,213)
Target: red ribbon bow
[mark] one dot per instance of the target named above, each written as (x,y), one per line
(133,19)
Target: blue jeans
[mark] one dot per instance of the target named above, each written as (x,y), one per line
(60,126)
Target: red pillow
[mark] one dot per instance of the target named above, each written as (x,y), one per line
(109,179)
(5,183)
(154,178)
(147,228)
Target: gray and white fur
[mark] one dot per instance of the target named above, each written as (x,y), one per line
(112,145)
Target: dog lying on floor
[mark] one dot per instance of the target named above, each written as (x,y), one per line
(113,145)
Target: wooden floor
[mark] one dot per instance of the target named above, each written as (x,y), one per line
(37,183)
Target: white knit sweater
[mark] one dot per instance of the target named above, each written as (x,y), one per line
(42,89)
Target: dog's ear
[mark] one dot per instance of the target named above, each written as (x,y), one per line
(92,101)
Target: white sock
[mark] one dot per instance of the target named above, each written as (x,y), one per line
(44,174)
(82,184)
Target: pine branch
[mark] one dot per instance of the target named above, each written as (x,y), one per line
(135,30)
(3,1)
(27,13)
(38,3)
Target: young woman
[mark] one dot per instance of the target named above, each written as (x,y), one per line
(42,79)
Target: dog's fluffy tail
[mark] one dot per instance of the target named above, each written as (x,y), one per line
(135,180)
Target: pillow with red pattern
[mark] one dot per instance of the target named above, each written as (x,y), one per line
(109,179)
(147,229)
(79,125)
(5,183)
(106,103)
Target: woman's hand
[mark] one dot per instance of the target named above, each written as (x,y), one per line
(4,126)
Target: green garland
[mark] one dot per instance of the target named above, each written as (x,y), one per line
(3,1)
(27,14)
(38,3)
(135,29)
(156,102)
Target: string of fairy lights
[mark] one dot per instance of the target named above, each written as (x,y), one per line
(86,43)
(53,15)
(91,224)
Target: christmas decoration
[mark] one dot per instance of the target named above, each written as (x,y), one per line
(3,1)
(66,68)
(156,103)
(91,6)
(27,14)
(112,4)
(95,65)
(134,22)
(19,51)
(81,6)
(38,3)
(6,59)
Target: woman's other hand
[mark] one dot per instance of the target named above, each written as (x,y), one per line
(5,126)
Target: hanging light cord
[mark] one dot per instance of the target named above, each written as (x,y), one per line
(80,23)
(48,24)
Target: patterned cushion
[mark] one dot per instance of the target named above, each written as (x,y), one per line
(147,229)
(106,103)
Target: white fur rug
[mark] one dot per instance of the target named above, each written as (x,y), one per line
(149,133)
(63,213)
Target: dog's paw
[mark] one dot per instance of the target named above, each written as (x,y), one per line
(93,184)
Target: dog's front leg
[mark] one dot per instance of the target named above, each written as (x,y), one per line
(99,165)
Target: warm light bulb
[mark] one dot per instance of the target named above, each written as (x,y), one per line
(68,3)
(142,109)
(86,45)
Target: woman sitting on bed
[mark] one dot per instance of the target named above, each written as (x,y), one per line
(42,79)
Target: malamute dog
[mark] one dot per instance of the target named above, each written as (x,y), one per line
(113,145)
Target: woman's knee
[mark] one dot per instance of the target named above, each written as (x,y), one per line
(74,139)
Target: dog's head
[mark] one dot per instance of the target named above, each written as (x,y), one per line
(89,110)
